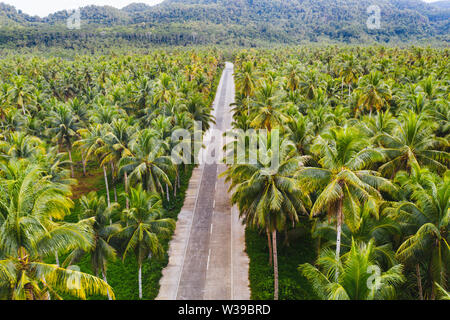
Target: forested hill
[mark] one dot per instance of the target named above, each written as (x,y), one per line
(241,22)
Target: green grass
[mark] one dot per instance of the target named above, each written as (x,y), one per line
(122,275)
(292,285)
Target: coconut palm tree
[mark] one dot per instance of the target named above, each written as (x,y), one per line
(374,225)
(268,108)
(163,89)
(21,94)
(375,93)
(359,275)
(120,135)
(199,111)
(245,82)
(63,126)
(349,69)
(146,225)
(92,140)
(343,181)
(147,161)
(379,123)
(299,131)
(425,220)
(29,234)
(101,252)
(268,196)
(143,91)
(19,145)
(412,142)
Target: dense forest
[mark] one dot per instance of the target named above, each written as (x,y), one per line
(243,22)
(86,176)
(362,182)
(357,208)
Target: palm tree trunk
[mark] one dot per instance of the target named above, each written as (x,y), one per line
(57,258)
(83,161)
(338,236)
(106,184)
(125,179)
(419,281)
(269,242)
(71,162)
(113,181)
(167,192)
(104,279)
(275,264)
(140,281)
(248,107)
(115,193)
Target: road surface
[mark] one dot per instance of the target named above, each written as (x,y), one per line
(207,259)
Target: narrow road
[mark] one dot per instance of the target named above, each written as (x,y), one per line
(207,259)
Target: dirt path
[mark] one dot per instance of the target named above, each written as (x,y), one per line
(207,259)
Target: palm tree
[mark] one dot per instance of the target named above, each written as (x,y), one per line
(299,131)
(245,82)
(357,275)
(147,161)
(119,135)
(146,225)
(63,126)
(349,69)
(375,92)
(54,163)
(95,208)
(20,93)
(163,90)
(144,89)
(268,108)
(19,145)
(426,219)
(412,142)
(92,140)
(342,181)
(29,234)
(293,75)
(310,83)
(267,194)
(199,111)
(445,295)
(105,113)
(380,123)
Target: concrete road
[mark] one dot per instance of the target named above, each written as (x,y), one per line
(207,259)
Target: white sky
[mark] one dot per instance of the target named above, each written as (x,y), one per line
(44,7)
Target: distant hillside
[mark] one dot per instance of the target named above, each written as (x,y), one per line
(442,4)
(241,22)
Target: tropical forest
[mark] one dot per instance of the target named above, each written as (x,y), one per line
(335,184)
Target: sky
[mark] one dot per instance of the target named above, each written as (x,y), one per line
(44,7)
